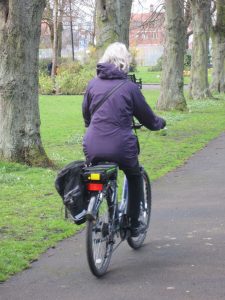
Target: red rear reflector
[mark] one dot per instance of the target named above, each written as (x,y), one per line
(94,186)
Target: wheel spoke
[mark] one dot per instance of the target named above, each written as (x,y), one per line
(144,217)
(99,249)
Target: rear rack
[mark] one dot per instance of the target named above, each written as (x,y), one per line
(100,172)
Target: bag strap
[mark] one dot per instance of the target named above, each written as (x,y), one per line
(136,135)
(106,96)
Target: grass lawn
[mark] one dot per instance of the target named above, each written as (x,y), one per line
(154,77)
(32,218)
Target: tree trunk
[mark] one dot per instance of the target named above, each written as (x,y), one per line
(20,24)
(172,95)
(199,86)
(60,28)
(71,30)
(55,39)
(218,49)
(93,34)
(112,22)
(187,22)
(59,38)
(48,16)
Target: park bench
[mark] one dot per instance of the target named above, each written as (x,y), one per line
(133,78)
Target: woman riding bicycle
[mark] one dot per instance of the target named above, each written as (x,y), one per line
(109,136)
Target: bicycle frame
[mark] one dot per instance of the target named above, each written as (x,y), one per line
(118,211)
(94,201)
(108,224)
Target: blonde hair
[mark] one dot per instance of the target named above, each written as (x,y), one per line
(118,55)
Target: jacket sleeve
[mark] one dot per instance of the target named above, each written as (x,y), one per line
(143,112)
(85,108)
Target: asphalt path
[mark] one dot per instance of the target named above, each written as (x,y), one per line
(183,256)
(156,86)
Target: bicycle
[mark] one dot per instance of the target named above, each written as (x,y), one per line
(106,218)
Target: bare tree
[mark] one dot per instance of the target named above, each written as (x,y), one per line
(156,19)
(187,22)
(199,86)
(55,37)
(61,9)
(69,14)
(84,10)
(172,96)
(20,24)
(218,49)
(50,20)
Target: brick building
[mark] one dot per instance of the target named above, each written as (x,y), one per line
(147,35)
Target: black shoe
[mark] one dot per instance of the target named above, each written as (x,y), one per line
(136,231)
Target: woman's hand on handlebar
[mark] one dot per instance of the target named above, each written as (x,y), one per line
(137,126)
(163,124)
(164,128)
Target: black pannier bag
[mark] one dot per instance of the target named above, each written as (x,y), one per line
(71,188)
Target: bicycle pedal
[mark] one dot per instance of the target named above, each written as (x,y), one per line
(112,241)
(90,216)
(123,233)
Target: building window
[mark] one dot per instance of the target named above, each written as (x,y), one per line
(154,35)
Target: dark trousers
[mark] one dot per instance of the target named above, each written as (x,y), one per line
(135,192)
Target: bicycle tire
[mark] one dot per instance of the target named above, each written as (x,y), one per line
(145,213)
(97,236)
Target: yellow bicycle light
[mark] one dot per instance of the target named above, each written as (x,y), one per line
(94,176)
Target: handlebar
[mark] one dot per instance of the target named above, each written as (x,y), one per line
(137,126)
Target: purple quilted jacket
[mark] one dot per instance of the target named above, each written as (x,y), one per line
(109,136)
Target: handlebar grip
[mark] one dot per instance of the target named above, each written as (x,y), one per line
(136,126)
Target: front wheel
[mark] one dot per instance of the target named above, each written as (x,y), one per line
(145,212)
(98,241)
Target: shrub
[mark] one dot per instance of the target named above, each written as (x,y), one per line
(70,67)
(133,64)
(157,67)
(43,65)
(46,85)
(68,83)
(187,61)
(72,78)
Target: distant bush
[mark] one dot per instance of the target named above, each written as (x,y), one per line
(46,85)
(43,65)
(72,78)
(133,64)
(72,67)
(68,83)
(157,67)
(187,61)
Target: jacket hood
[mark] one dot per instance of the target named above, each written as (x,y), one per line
(109,71)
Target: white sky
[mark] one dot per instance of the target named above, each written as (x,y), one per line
(144,5)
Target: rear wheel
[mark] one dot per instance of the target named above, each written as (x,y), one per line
(99,240)
(145,212)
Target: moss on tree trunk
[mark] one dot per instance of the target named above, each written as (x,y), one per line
(171,95)
(112,22)
(199,86)
(218,49)
(20,139)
